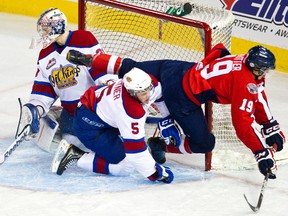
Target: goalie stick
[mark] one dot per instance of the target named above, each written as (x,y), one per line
(14,145)
(257,207)
(18,138)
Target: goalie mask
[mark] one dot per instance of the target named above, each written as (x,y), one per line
(51,24)
(260,60)
(137,80)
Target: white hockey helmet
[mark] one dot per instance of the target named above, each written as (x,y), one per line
(137,80)
(51,24)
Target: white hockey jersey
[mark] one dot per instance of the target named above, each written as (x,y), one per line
(58,78)
(116,107)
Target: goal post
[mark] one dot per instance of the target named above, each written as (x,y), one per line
(140,29)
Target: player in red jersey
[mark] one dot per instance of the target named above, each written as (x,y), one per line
(57,78)
(220,77)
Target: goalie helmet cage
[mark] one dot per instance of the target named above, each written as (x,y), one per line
(141,30)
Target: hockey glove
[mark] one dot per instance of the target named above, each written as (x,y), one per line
(273,135)
(30,117)
(163,174)
(266,162)
(79,58)
(169,131)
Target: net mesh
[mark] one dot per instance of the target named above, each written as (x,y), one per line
(144,37)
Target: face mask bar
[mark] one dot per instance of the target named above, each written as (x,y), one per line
(259,72)
(49,27)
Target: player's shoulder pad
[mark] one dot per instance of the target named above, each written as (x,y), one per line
(82,38)
(154,80)
(89,98)
(133,107)
(221,49)
(45,52)
(217,51)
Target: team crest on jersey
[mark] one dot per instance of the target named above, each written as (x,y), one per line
(64,77)
(51,63)
(252,88)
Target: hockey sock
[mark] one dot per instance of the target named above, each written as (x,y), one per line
(182,149)
(94,163)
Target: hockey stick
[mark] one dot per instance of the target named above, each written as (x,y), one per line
(14,145)
(18,138)
(18,127)
(257,207)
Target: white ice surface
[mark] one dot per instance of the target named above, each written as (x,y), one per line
(28,188)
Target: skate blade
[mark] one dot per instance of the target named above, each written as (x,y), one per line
(60,152)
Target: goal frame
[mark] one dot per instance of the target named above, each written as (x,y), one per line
(145,11)
(161,16)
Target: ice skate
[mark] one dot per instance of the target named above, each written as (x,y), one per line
(65,156)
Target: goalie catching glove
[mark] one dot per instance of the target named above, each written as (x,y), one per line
(169,131)
(273,135)
(30,117)
(162,173)
(266,162)
(79,58)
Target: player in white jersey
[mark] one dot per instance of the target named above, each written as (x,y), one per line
(57,78)
(110,121)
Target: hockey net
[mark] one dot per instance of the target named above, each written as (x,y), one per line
(141,30)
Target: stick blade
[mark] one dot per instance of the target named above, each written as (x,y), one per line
(255,209)
(2,159)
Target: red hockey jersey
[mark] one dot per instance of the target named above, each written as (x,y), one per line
(233,84)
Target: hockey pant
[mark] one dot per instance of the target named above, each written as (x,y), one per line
(100,138)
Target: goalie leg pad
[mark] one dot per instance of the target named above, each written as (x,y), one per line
(49,135)
(47,139)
